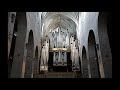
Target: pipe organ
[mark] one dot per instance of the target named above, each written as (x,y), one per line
(60,42)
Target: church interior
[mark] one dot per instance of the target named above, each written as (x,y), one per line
(59,45)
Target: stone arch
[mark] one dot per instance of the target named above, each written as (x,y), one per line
(67,18)
(105,40)
(84,63)
(93,56)
(67,14)
(36,64)
(29,58)
(18,44)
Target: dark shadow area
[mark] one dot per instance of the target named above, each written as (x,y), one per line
(10,60)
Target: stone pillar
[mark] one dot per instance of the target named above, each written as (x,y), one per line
(71,45)
(16,71)
(42,57)
(47,51)
(54,60)
(76,58)
(105,47)
(55,39)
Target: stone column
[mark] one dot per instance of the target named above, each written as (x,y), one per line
(17,65)
(48,51)
(41,60)
(55,39)
(54,59)
(104,46)
(76,58)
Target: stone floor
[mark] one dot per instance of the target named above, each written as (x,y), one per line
(59,75)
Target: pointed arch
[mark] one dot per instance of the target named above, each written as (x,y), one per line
(84,63)
(93,57)
(29,58)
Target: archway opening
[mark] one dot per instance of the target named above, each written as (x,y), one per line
(36,64)
(50,62)
(93,57)
(69,62)
(29,59)
(84,64)
(17,45)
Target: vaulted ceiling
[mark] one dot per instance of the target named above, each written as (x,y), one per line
(66,20)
